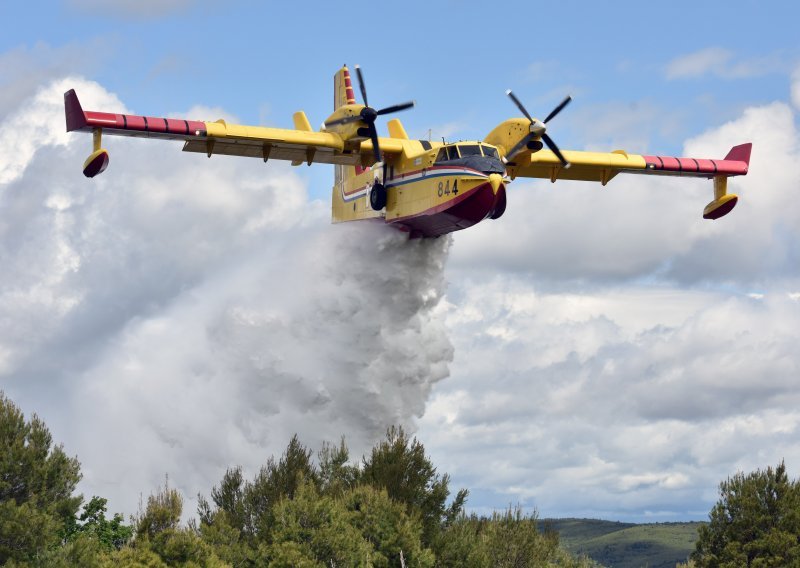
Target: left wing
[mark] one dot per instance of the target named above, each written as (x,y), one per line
(602,167)
(299,145)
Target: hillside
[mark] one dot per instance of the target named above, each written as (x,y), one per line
(627,545)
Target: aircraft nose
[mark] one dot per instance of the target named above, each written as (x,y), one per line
(495,180)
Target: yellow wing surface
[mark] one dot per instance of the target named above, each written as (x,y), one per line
(521,161)
(297,145)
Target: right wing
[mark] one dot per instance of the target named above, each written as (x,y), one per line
(298,145)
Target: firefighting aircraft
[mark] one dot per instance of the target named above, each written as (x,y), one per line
(425,188)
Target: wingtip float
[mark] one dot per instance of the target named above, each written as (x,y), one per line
(423,187)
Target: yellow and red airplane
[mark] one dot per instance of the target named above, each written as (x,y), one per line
(425,188)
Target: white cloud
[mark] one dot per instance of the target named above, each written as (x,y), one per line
(723,63)
(610,360)
(698,63)
(180,315)
(795,88)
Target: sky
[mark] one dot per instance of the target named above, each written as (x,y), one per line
(596,352)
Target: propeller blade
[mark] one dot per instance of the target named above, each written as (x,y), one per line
(552,145)
(373,135)
(519,105)
(558,109)
(361,85)
(343,120)
(396,108)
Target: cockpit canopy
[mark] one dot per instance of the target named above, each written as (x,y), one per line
(456,151)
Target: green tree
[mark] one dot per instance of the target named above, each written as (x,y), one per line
(37,482)
(247,506)
(506,539)
(336,474)
(755,523)
(314,530)
(386,526)
(111,534)
(160,536)
(399,465)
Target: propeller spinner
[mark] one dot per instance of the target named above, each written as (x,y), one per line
(538,129)
(368,115)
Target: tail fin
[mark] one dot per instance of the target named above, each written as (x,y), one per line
(342,89)
(740,153)
(343,95)
(76,119)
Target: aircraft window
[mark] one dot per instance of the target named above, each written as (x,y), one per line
(489,151)
(470,150)
(442,155)
(452,153)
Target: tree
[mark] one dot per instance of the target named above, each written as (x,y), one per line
(399,465)
(336,475)
(507,539)
(247,507)
(37,482)
(161,540)
(111,535)
(314,530)
(755,523)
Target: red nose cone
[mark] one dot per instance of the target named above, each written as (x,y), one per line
(96,164)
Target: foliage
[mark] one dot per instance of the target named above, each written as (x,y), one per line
(37,481)
(160,538)
(509,538)
(755,523)
(399,465)
(386,526)
(390,510)
(315,529)
(111,534)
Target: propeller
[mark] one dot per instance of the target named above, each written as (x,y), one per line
(368,115)
(538,129)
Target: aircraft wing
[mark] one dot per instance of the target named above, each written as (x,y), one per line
(603,166)
(298,145)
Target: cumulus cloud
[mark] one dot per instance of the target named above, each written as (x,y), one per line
(616,355)
(580,231)
(181,315)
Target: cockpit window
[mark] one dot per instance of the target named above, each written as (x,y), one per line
(469,150)
(442,155)
(452,153)
(489,151)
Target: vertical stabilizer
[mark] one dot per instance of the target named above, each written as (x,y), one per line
(343,95)
(343,89)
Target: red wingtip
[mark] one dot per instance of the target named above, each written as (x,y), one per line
(740,153)
(76,119)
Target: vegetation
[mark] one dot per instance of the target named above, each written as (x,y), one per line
(627,545)
(756,522)
(392,509)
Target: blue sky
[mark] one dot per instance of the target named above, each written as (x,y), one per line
(594,353)
(262,61)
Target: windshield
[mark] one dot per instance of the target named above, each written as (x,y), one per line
(469,150)
(489,151)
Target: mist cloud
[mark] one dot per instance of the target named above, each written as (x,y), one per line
(181,315)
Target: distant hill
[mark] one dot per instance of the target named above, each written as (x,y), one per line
(626,545)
